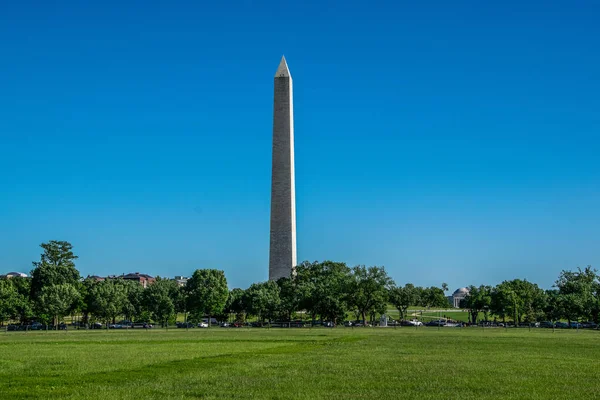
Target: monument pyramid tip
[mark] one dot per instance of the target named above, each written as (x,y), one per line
(283,71)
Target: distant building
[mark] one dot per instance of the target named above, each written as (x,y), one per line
(181,280)
(96,278)
(458,296)
(142,279)
(12,275)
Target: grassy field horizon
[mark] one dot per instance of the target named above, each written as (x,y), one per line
(301,363)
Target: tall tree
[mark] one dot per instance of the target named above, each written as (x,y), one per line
(86,300)
(289,295)
(9,300)
(23,307)
(368,290)
(107,300)
(235,304)
(402,298)
(207,292)
(519,299)
(263,300)
(159,299)
(58,300)
(56,267)
(554,309)
(323,289)
(132,305)
(479,299)
(433,297)
(578,290)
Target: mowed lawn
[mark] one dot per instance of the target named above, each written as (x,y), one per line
(468,363)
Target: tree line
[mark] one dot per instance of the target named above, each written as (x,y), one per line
(326,291)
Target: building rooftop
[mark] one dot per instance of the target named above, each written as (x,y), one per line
(461,291)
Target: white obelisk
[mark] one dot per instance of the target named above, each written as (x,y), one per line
(282,254)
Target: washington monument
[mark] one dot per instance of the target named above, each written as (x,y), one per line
(282,253)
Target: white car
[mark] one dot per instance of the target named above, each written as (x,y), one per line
(202,325)
(414,322)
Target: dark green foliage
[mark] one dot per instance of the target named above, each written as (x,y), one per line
(58,300)
(56,267)
(323,289)
(9,299)
(289,295)
(14,299)
(403,297)
(519,299)
(207,292)
(262,300)
(478,300)
(235,304)
(432,297)
(159,299)
(368,290)
(579,293)
(107,300)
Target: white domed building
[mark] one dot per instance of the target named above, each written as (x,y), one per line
(12,275)
(458,295)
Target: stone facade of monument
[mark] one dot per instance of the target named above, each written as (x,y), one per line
(282,252)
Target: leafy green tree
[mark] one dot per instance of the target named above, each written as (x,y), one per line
(478,300)
(262,299)
(56,267)
(554,308)
(86,305)
(9,300)
(159,299)
(402,298)
(579,293)
(323,289)
(520,299)
(595,301)
(107,300)
(289,296)
(235,304)
(433,297)
(132,305)
(368,289)
(23,307)
(58,300)
(207,292)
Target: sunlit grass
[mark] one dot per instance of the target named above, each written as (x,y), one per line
(301,363)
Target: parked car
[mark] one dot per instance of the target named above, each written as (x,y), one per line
(185,325)
(348,323)
(328,324)
(436,323)
(37,326)
(562,325)
(202,325)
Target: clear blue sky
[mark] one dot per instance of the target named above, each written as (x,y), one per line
(448,141)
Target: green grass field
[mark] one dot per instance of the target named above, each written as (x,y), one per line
(374,363)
